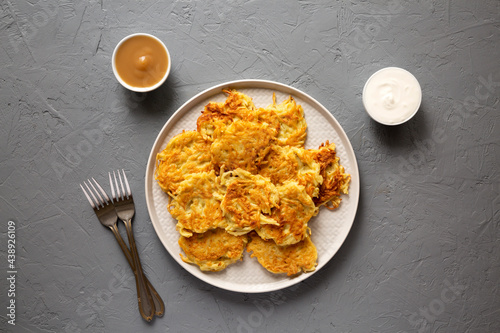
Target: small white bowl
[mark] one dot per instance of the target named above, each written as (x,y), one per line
(140,89)
(392,96)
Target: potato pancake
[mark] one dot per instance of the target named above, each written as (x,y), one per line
(292,163)
(195,206)
(293,125)
(213,250)
(247,201)
(294,212)
(290,259)
(335,180)
(217,116)
(243,145)
(185,154)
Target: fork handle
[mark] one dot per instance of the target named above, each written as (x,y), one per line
(157,300)
(146,305)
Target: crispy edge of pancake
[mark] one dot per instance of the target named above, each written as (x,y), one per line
(185,153)
(196,205)
(290,259)
(293,214)
(335,180)
(237,100)
(247,200)
(213,250)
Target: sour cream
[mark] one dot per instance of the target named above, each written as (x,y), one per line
(392,96)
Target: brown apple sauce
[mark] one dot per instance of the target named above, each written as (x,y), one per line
(141,61)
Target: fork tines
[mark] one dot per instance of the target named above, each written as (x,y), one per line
(95,203)
(119,195)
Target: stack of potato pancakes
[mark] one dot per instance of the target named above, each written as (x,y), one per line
(244,180)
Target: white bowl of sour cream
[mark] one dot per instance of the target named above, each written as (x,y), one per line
(392,96)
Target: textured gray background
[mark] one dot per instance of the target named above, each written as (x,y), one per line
(423,254)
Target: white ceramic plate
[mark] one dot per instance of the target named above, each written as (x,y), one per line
(329,228)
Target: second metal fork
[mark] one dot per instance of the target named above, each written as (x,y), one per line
(125,209)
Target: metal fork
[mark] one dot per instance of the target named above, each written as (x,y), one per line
(125,209)
(106,214)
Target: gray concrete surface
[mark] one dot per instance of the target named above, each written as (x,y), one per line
(423,254)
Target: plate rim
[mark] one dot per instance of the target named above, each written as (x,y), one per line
(256,84)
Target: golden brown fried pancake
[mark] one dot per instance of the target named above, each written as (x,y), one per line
(213,250)
(246,199)
(335,180)
(285,163)
(243,145)
(217,116)
(293,126)
(294,212)
(194,204)
(185,154)
(289,259)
